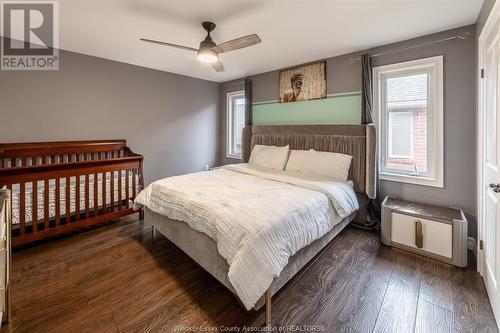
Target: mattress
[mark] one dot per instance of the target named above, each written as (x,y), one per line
(52,195)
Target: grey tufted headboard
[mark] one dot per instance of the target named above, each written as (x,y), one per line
(356,140)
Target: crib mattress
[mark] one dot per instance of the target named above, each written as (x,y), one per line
(52,195)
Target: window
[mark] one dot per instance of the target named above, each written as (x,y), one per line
(235,122)
(408,101)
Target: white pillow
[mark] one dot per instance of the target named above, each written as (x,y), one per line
(334,165)
(272,157)
(297,160)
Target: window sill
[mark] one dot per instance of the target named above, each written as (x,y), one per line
(424,181)
(236,157)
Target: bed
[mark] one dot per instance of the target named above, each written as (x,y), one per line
(203,219)
(58,187)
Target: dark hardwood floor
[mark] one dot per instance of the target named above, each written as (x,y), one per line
(118,279)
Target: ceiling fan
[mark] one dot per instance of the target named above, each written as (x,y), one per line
(208,51)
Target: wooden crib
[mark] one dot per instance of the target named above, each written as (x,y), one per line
(58,187)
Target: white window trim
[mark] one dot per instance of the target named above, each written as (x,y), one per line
(390,154)
(437,84)
(229,122)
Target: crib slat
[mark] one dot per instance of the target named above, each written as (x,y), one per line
(68,198)
(127,188)
(58,201)
(9,187)
(120,198)
(96,195)
(134,185)
(34,206)
(13,162)
(87,208)
(112,190)
(77,198)
(24,161)
(46,203)
(104,196)
(22,207)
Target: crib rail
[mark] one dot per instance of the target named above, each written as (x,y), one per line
(41,153)
(63,186)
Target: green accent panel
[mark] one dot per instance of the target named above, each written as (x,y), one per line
(333,110)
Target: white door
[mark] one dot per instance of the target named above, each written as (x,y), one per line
(489,182)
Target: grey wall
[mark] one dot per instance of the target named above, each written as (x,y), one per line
(459,113)
(341,77)
(460,132)
(172,120)
(483,15)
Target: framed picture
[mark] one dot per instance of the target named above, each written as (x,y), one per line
(303,83)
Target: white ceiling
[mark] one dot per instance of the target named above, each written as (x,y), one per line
(292,31)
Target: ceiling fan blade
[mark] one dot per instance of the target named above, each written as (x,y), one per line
(169,44)
(237,43)
(218,66)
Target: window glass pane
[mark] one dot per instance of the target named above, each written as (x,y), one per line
(400,124)
(238,124)
(406,105)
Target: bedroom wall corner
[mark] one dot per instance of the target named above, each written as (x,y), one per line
(483,15)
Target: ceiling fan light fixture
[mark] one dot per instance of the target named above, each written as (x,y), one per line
(208,52)
(207,55)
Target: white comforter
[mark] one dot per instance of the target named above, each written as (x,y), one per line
(259,218)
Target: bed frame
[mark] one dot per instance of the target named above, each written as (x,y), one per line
(46,165)
(356,140)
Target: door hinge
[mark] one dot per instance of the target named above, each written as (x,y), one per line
(480,244)
(482,73)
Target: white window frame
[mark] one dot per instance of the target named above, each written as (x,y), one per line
(389,134)
(229,123)
(434,66)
